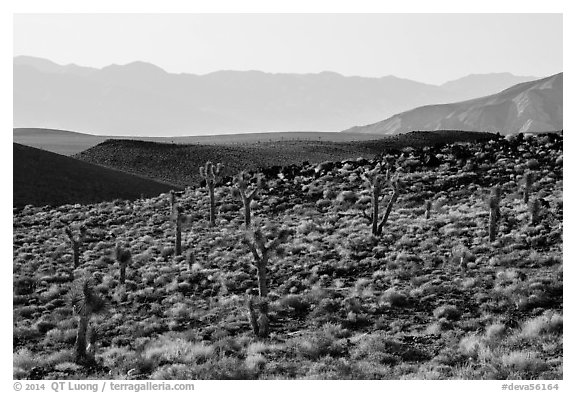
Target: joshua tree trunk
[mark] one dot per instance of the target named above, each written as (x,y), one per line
(81,338)
(388,210)
(262,287)
(493,224)
(375,208)
(212,206)
(247,212)
(122,274)
(535,212)
(178,244)
(76,252)
(252,316)
(428,208)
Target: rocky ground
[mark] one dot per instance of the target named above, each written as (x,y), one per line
(178,163)
(430,298)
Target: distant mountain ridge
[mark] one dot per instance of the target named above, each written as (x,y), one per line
(534,106)
(142,99)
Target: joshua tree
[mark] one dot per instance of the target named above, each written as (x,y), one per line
(262,248)
(528,182)
(428,208)
(124,257)
(494,204)
(190,258)
(179,220)
(535,208)
(377,181)
(85,302)
(76,242)
(211,175)
(241,189)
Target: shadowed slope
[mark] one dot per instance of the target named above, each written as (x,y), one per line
(45,178)
(179,163)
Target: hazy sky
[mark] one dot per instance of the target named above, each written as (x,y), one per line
(432,48)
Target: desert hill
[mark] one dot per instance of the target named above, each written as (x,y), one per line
(178,163)
(45,178)
(534,106)
(71,142)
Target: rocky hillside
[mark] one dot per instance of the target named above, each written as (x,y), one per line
(527,107)
(179,163)
(45,178)
(431,298)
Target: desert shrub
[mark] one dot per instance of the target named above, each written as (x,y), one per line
(58,336)
(524,361)
(328,340)
(295,303)
(332,368)
(448,312)
(470,345)
(68,367)
(176,350)
(394,298)
(26,332)
(224,367)
(59,357)
(177,371)
(545,324)
(495,331)
(255,361)
(24,285)
(118,359)
(25,359)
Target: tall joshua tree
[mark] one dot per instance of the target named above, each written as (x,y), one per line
(428,206)
(76,241)
(212,175)
(377,181)
(179,220)
(535,207)
(528,182)
(85,303)
(243,190)
(494,205)
(124,257)
(263,247)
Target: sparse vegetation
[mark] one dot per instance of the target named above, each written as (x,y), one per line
(428,298)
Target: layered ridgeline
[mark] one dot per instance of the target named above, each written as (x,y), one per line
(45,178)
(143,99)
(534,106)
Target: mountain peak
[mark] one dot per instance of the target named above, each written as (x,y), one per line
(138,67)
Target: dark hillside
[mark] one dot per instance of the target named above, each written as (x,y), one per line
(179,163)
(45,178)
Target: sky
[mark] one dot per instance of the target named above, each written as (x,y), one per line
(430,48)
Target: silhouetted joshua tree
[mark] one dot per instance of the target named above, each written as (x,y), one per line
(85,303)
(212,175)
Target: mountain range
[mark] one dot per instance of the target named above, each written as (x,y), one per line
(142,99)
(534,106)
